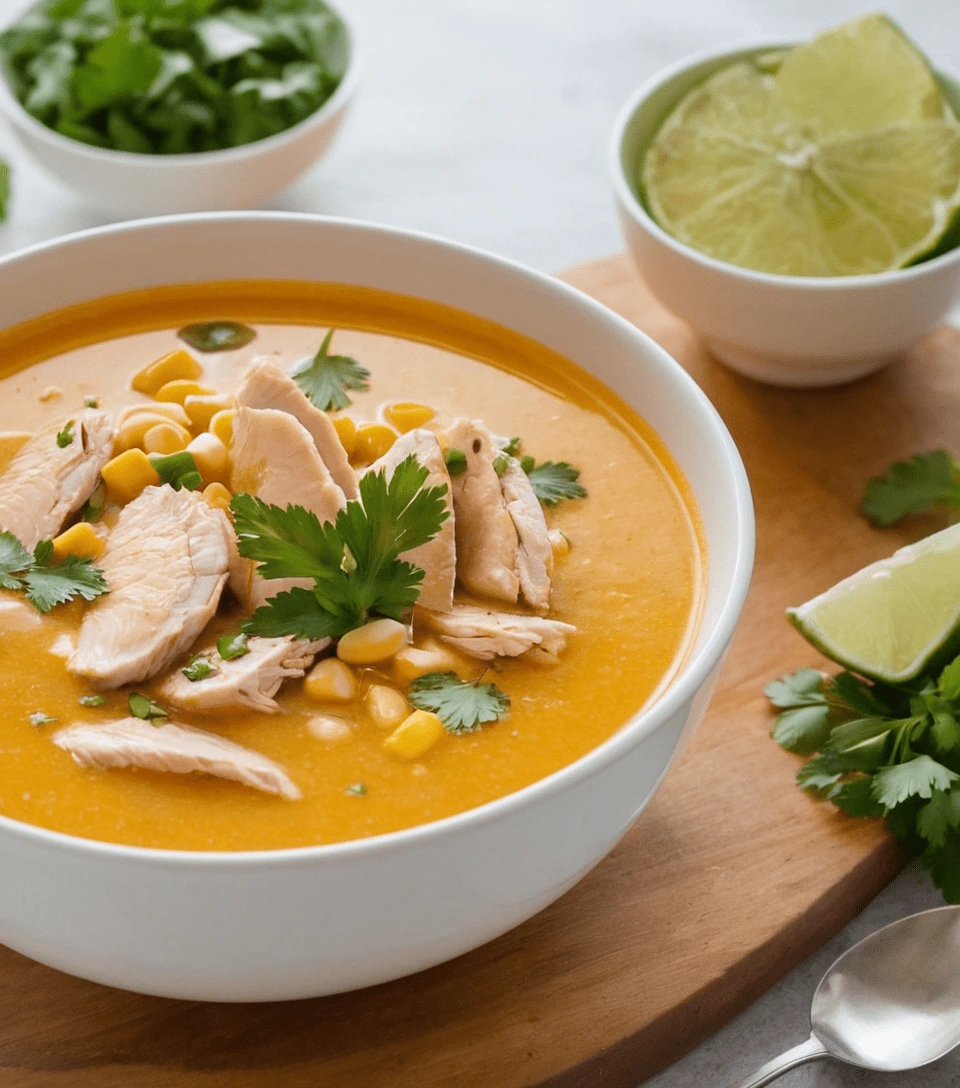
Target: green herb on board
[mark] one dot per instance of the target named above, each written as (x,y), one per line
(912,487)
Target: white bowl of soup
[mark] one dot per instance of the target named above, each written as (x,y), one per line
(353,822)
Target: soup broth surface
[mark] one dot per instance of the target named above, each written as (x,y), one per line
(632,583)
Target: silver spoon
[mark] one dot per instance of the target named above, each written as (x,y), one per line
(891,1003)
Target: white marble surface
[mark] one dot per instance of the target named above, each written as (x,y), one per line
(487,121)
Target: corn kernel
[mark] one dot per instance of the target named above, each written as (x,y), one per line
(210,454)
(173,412)
(413,662)
(177,391)
(407,415)
(80,539)
(165,438)
(347,433)
(177,366)
(415,735)
(373,440)
(221,425)
(133,431)
(559,543)
(330,681)
(202,408)
(386,706)
(127,475)
(375,641)
(11,444)
(217,496)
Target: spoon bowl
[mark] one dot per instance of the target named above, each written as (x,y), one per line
(893,1001)
(890,1003)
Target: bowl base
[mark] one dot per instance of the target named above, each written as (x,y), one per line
(797,372)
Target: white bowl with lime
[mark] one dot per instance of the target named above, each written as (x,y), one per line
(797,205)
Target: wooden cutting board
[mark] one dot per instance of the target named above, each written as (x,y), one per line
(729,879)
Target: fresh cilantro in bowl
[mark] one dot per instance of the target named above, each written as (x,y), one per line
(170,77)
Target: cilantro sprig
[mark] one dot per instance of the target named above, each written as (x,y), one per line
(354,562)
(462,706)
(911,487)
(44,582)
(553,481)
(326,378)
(882,750)
(174,76)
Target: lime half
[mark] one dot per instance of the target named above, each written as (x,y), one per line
(891,619)
(839,157)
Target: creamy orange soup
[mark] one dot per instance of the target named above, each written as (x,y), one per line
(631,584)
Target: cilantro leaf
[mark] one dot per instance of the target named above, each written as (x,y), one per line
(803,729)
(462,707)
(326,378)
(917,778)
(554,481)
(949,681)
(230,647)
(199,668)
(939,814)
(49,584)
(912,486)
(354,563)
(145,708)
(855,798)
(802,688)
(14,560)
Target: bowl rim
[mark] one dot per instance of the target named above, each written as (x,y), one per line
(20,117)
(627,199)
(690,678)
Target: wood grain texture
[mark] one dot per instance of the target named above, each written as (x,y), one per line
(729,879)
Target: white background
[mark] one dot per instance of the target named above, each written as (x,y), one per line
(487,121)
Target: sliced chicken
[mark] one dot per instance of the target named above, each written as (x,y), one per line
(248,682)
(267,385)
(534,553)
(487,541)
(47,482)
(166,565)
(275,459)
(178,749)
(438,557)
(485,635)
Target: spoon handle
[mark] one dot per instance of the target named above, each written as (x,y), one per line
(810,1051)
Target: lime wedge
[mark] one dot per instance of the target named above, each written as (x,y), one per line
(891,619)
(841,159)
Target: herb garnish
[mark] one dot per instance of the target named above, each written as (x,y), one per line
(142,707)
(462,706)
(354,563)
(199,668)
(885,751)
(96,504)
(217,335)
(230,647)
(91,402)
(39,718)
(92,700)
(326,378)
(910,487)
(456,461)
(553,481)
(179,470)
(174,76)
(66,436)
(45,583)
(358,789)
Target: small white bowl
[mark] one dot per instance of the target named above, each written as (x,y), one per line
(785,330)
(127,184)
(320,920)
